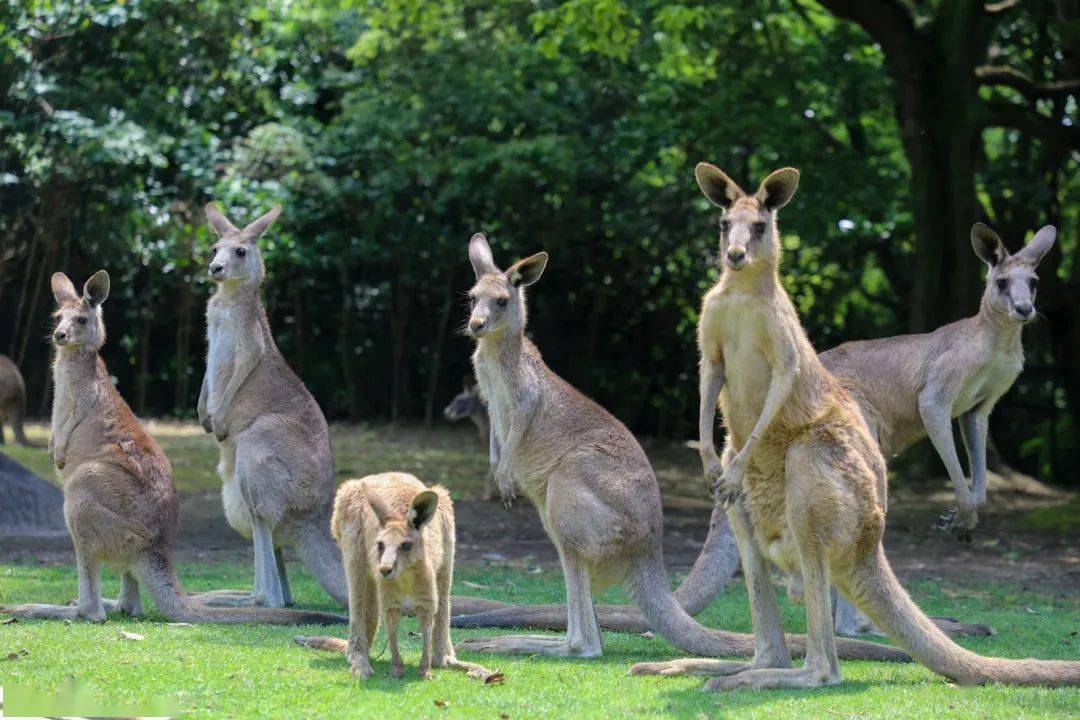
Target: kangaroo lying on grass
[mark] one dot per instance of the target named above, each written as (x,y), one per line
(911,386)
(806,482)
(397,539)
(119,501)
(469,404)
(276,465)
(588,477)
(13,401)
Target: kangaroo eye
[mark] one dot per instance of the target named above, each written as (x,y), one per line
(241,252)
(380,547)
(502,302)
(82,321)
(1003,285)
(406,546)
(759,228)
(725,225)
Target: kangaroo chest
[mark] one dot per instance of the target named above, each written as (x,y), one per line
(497,391)
(222,336)
(736,324)
(989,381)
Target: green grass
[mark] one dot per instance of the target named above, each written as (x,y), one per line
(247,671)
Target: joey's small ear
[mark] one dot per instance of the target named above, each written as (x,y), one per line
(96,289)
(1035,250)
(525,272)
(383,512)
(480,256)
(423,508)
(987,245)
(718,187)
(778,188)
(255,230)
(63,289)
(218,222)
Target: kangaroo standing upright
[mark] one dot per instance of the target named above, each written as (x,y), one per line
(276,464)
(805,479)
(587,476)
(13,401)
(120,504)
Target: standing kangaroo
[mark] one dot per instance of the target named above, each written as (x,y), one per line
(469,404)
(13,401)
(276,464)
(911,386)
(120,504)
(587,476)
(397,541)
(805,479)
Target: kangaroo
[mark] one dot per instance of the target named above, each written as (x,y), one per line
(469,404)
(911,386)
(13,401)
(120,504)
(395,524)
(804,478)
(587,476)
(276,465)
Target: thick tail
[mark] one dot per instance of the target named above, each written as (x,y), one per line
(18,415)
(876,591)
(712,570)
(322,558)
(322,642)
(158,576)
(649,587)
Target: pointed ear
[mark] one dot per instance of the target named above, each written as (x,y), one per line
(381,508)
(218,222)
(1035,250)
(987,245)
(525,272)
(63,289)
(718,187)
(480,256)
(255,230)
(96,289)
(777,189)
(423,508)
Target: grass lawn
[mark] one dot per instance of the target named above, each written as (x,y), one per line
(246,671)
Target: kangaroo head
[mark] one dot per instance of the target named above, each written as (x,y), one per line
(399,541)
(748,225)
(465,403)
(236,253)
(498,298)
(79,322)
(1011,282)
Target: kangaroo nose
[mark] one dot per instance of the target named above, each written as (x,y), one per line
(60,335)
(477,325)
(215,268)
(1024,309)
(736,256)
(386,570)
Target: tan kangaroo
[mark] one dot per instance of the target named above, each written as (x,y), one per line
(397,538)
(587,476)
(805,478)
(119,501)
(13,401)
(276,465)
(911,386)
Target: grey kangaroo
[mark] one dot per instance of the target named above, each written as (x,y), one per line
(13,401)
(276,464)
(588,478)
(120,504)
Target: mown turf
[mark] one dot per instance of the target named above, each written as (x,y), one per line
(249,672)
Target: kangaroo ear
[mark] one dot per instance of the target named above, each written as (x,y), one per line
(1035,250)
(777,189)
(63,289)
(383,512)
(218,222)
(480,256)
(718,187)
(987,245)
(96,289)
(423,508)
(526,272)
(255,230)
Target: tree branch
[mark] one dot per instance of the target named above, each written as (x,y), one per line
(994,8)
(889,22)
(1017,80)
(1011,115)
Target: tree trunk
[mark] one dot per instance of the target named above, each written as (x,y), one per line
(437,348)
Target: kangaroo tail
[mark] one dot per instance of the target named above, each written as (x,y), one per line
(649,587)
(322,642)
(878,593)
(18,415)
(712,570)
(322,558)
(157,573)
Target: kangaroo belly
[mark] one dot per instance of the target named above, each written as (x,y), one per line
(236,511)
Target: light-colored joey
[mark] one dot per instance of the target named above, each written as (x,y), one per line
(399,542)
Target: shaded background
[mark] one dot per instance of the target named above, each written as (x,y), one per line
(393,130)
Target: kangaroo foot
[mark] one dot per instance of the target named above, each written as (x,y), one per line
(527,645)
(771,678)
(689,666)
(959,524)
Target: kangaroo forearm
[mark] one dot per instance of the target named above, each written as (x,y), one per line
(712,381)
(204,394)
(241,370)
(493,445)
(519,425)
(783,380)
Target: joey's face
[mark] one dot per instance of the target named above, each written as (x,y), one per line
(235,259)
(397,547)
(747,234)
(465,403)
